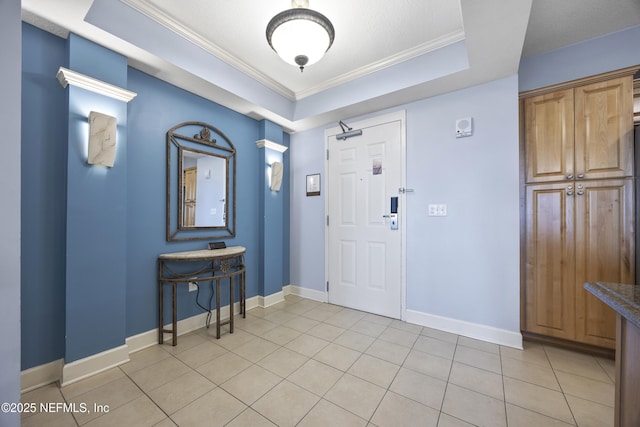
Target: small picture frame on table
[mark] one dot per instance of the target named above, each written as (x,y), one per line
(313,185)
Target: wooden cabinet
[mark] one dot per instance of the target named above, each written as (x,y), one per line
(604,252)
(580,133)
(549,136)
(576,233)
(550,267)
(604,129)
(579,208)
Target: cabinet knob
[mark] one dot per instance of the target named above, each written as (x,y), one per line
(570,193)
(580,176)
(569,176)
(580,193)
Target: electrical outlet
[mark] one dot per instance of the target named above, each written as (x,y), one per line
(193,286)
(437,210)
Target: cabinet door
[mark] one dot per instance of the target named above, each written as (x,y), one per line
(550,269)
(604,129)
(604,252)
(549,133)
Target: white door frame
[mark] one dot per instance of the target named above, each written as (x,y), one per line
(400,116)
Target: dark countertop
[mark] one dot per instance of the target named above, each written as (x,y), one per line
(624,299)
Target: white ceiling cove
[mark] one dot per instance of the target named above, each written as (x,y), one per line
(368,37)
(384,53)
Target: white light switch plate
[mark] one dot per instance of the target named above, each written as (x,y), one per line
(437,210)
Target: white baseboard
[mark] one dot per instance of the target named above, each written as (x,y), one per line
(467,329)
(319,296)
(83,368)
(41,375)
(270,300)
(190,324)
(57,370)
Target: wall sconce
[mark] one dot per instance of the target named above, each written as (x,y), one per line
(277,169)
(102,139)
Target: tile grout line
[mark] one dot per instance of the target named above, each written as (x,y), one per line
(388,328)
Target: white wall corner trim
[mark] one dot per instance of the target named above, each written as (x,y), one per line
(68,77)
(83,368)
(320,296)
(265,143)
(270,300)
(467,329)
(41,375)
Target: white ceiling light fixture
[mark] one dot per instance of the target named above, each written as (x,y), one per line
(300,36)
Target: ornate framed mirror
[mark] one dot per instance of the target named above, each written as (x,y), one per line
(201,183)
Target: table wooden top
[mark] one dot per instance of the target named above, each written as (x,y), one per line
(203,254)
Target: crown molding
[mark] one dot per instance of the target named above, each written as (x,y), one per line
(389,61)
(68,77)
(265,143)
(147,9)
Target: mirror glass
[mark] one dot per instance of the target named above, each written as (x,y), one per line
(200,183)
(204,189)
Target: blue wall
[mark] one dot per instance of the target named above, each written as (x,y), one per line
(117,213)
(599,55)
(10,167)
(464,266)
(96,274)
(157,108)
(44,208)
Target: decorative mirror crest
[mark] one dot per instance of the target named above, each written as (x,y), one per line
(201,183)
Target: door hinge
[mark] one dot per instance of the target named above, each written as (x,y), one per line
(327,286)
(327,220)
(327,154)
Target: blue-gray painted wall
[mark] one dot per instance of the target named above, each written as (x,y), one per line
(599,55)
(74,215)
(96,273)
(44,201)
(10,167)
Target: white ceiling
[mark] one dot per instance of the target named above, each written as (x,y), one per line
(384,54)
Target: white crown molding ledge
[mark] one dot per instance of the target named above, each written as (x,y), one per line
(68,77)
(265,143)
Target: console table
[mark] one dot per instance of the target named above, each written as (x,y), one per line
(206,265)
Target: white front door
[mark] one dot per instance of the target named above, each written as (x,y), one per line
(364,251)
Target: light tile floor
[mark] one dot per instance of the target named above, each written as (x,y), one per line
(306,363)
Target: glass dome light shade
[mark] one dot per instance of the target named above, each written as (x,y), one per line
(300,32)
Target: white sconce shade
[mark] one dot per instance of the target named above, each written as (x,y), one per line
(277,168)
(102,139)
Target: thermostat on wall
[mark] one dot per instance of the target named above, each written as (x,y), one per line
(464,127)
